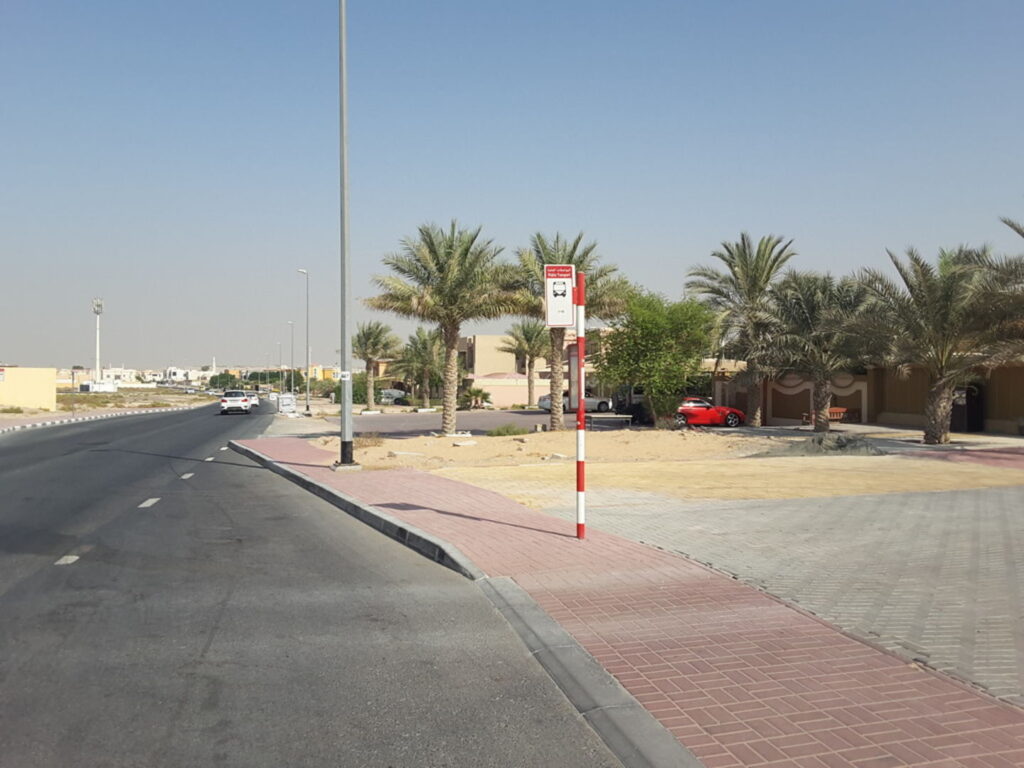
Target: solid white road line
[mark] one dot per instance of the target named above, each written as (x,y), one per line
(187,475)
(149,502)
(67,560)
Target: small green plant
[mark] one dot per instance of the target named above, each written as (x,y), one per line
(506,430)
(11,409)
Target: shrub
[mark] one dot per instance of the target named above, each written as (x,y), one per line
(11,409)
(508,429)
(367,440)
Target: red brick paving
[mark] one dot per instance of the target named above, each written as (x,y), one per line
(1007,458)
(739,678)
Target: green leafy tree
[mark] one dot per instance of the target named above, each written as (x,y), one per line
(658,345)
(372,343)
(955,319)
(606,297)
(447,277)
(224,381)
(529,339)
(421,361)
(741,297)
(814,336)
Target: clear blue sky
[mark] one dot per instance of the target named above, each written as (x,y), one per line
(179,158)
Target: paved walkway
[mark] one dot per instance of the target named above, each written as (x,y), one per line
(737,676)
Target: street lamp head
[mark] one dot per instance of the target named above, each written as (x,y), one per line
(97,306)
(304,272)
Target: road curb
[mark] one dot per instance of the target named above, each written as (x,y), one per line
(439,551)
(97,417)
(632,733)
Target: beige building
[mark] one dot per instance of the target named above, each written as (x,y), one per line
(28,388)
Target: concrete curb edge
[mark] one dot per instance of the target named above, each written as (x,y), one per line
(632,733)
(434,549)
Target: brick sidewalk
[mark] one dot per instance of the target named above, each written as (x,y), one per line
(739,678)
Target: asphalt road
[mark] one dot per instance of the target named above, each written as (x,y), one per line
(230,618)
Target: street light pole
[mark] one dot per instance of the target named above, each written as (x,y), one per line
(346,458)
(97,309)
(306,273)
(291,367)
(280,374)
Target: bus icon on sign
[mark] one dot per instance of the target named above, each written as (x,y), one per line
(558,288)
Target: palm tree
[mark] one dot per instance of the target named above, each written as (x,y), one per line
(448,277)
(741,297)
(606,296)
(814,337)
(422,360)
(372,343)
(528,339)
(954,319)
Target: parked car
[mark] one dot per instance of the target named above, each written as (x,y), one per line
(254,399)
(591,403)
(697,411)
(389,396)
(235,401)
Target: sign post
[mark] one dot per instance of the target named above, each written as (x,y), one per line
(564,307)
(581,405)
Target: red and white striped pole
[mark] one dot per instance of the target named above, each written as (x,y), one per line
(581,408)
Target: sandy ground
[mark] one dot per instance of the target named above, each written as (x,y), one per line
(631,446)
(536,469)
(126,398)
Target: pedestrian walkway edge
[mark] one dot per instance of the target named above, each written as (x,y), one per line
(433,548)
(631,732)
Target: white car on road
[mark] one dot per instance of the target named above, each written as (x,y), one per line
(591,403)
(235,401)
(254,399)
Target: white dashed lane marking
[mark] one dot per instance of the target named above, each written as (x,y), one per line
(187,475)
(224,448)
(149,502)
(208,458)
(67,560)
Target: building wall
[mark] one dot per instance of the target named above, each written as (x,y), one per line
(1004,400)
(508,392)
(29,388)
(902,398)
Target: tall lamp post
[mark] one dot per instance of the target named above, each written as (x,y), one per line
(291,368)
(97,309)
(306,273)
(280,374)
(346,458)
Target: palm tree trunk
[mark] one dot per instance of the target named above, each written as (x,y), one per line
(425,387)
(555,365)
(530,363)
(449,396)
(938,410)
(822,397)
(371,382)
(754,399)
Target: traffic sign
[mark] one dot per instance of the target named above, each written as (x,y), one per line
(558,295)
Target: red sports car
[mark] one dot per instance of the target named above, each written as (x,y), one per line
(697,411)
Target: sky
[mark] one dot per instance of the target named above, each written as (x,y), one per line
(179,158)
